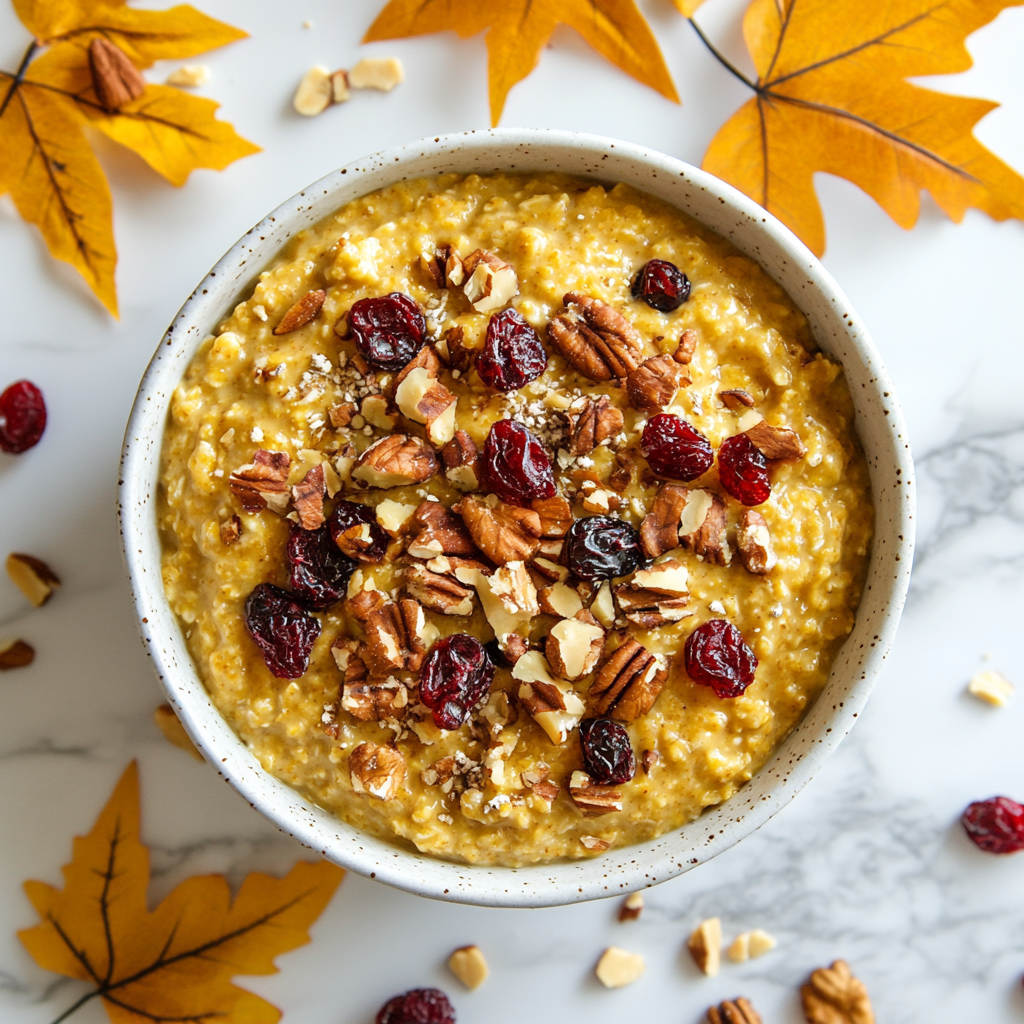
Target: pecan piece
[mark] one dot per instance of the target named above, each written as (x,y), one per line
(628,683)
(308,499)
(363,604)
(736,400)
(15,654)
(439,532)
(755,543)
(656,596)
(375,701)
(702,527)
(306,309)
(648,760)
(592,422)
(733,1011)
(555,515)
(632,907)
(596,338)
(832,995)
(454,773)
(263,483)
(463,464)
(395,638)
(504,533)
(591,799)
(230,530)
(653,383)
(396,461)
(32,576)
(574,646)
(622,475)
(377,770)
(439,593)
(559,599)
(490,281)
(114,77)
(508,597)
(659,532)
(453,348)
(776,442)
(686,348)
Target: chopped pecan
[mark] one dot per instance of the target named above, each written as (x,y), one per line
(653,383)
(375,701)
(648,759)
(363,604)
(463,464)
(776,442)
(592,422)
(460,358)
(736,400)
(656,596)
(263,483)
(306,309)
(628,683)
(114,77)
(547,791)
(396,461)
(622,475)
(15,654)
(596,338)
(439,593)
(591,799)
(755,543)
(308,499)
(595,843)
(733,1011)
(490,281)
(395,638)
(230,530)
(504,533)
(454,270)
(832,995)
(686,348)
(426,359)
(555,515)
(553,703)
(377,770)
(341,415)
(439,532)
(659,532)
(574,646)
(702,527)
(454,773)
(434,263)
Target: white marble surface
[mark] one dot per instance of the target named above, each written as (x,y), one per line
(867,864)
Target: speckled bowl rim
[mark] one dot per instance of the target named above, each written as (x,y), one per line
(837,330)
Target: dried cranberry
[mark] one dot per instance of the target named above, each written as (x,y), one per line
(717,656)
(517,466)
(675,449)
(512,355)
(283,630)
(457,675)
(662,285)
(607,754)
(388,330)
(743,470)
(22,417)
(319,572)
(602,547)
(995,825)
(420,1006)
(347,514)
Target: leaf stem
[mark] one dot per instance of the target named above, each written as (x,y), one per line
(18,76)
(77,1006)
(728,65)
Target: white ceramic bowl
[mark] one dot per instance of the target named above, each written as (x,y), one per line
(837,330)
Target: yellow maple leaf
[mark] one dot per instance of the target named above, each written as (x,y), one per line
(46,163)
(519,29)
(174,963)
(831,95)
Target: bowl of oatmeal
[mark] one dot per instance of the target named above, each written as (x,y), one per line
(518,517)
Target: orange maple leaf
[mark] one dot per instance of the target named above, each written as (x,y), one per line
(517,30)
(46,163)
(174,963)
(832,95)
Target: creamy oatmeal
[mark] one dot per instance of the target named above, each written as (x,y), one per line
(513,517)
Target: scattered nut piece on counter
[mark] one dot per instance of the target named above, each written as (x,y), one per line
(469,966)
(734,1011)
(760,942)
(991,687)
(377,73)
(617,968)
(313,95)
(188,76)
(33,577)
(15,654)
(632,907)
(174,732)
(739,951)
(705,946)
(832,995)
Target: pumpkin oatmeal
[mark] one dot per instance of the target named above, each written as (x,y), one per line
(514,517)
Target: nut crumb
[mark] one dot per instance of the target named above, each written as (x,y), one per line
(469,966)
(15,654)
(991,687)
(33,577)
(617,968)
(632,907)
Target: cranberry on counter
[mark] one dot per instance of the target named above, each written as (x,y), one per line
(420,1006)
(22,417)
(995,825)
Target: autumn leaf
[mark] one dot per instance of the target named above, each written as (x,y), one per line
(832,95)
(174,963)
(517,31)
(46,163)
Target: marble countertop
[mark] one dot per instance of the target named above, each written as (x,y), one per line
(867,864)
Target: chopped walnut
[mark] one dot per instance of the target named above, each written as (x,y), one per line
(776,442)
(490,281)
(463,464)
(591,799)
(622,475)
(705,946)
(306,309)
(545,570)
(377,770)
(832,995)
(508,596)
(628,683)
(755,543)
(469,966)
(341,415)
(595,843)
(438,592)
(396,638)
(453,347)
(596,338)
(703,525)
(230,531)
(559,599)
(555,515)
(733,1011)
(426,359)
(434,263)
(263,483)
(655,596)
(659,532)
(686,348)
(736,400)
(592,422)
(308,499)
(422,398)
(553,703)
(574,646)
(396,461)
(439,532)
(513,647)
(377,701)
(653,383)
(617,968)
(499,712)
(504,533)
